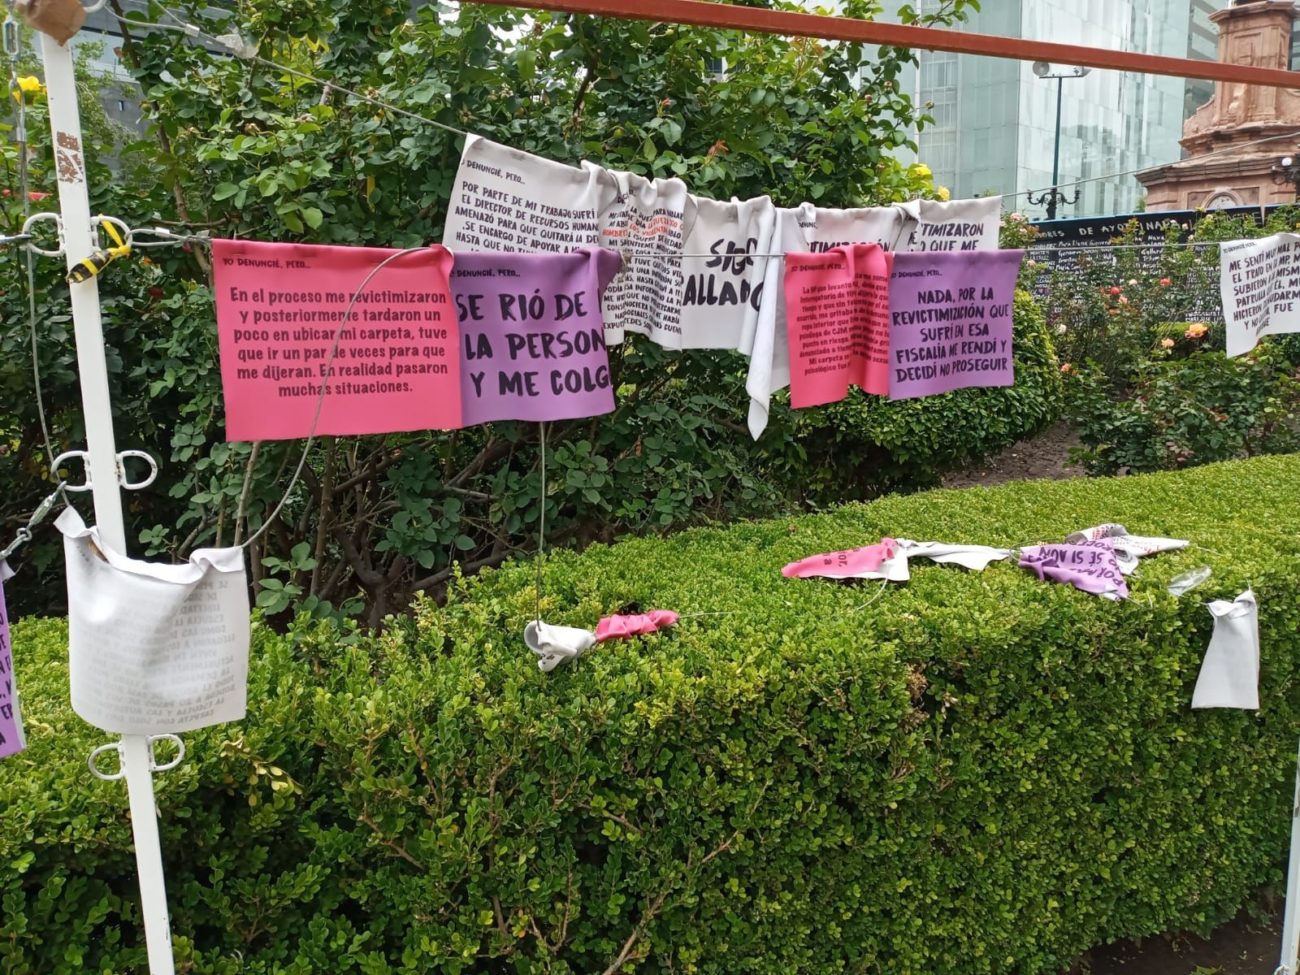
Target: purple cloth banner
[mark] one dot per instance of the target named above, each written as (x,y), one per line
(532,340)
(11,725)
(950,321)
(1090,566)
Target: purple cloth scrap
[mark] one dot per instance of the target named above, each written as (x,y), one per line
(1089,566)
(11,725)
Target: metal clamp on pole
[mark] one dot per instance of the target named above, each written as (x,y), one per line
(66,458)
(92,762)
(89,267)
(32,221)
(126,482)
(154,766)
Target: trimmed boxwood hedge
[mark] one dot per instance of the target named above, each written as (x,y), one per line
(973,773)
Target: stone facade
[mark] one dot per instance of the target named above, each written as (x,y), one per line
(1256,32)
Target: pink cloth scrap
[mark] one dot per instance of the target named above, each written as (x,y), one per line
(612,627)
(1090,566)
(853,563)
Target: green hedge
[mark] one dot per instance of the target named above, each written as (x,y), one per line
(974,773)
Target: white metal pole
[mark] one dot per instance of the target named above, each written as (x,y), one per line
(102,466)
(1291,918)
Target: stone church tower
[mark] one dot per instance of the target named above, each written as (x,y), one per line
(1254,32)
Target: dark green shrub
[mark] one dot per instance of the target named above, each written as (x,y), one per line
(1194,408)
(976,773)
(865,446)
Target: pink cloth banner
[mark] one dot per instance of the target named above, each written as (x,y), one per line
(853,563)
(837,322)
(532,335)
(950,321)
(280,311)
(612,627)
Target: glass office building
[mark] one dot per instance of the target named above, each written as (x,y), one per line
(995,121)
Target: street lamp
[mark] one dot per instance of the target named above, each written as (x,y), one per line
(1287,170)
(1054,196)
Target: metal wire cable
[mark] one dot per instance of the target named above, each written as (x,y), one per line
(320,399)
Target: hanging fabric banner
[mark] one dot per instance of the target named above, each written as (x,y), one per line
(280,311)
(801,229)
(838,322)
(1259,281)
(961,225)
(1088,566)
(506,199)
(723,292)
(646,221)
(532,336)
(154,649)
(1229,676)
(950,321)
(11,722)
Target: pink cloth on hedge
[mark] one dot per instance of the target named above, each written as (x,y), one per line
(853,563)
(611,627)
(1090,566)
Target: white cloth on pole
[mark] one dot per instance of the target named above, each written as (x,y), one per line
(1229,675)
(958,225)
(556,644)
(152,648)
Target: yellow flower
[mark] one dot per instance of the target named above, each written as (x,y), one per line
(28,85)
(1166,343)
(921,170)
(1196,330)
(943,194)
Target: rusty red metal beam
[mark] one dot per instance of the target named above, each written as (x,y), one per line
(703,14)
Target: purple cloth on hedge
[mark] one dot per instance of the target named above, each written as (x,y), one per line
(1090,566)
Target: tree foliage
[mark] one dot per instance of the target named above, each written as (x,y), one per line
(243,148)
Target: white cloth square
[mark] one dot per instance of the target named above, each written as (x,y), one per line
(1229,675)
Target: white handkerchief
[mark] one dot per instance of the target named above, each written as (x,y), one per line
(1229,675)
(974,557)
(556,644)
(152,648)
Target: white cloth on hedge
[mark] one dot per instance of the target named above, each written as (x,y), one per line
(974,557)
(1229,675)
(556,644)
(722,294)
(800,230)
(954,226)
(154,648)
(1128,548)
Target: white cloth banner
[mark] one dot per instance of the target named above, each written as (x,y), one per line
(509,200)
(1128,548)
(959,225)
(1229,675)
(555,644)
(1259,281)
(973,557)
(801,229)
(646,221)
(722,293)
(154,649)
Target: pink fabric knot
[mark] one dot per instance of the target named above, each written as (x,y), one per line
(611,627)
